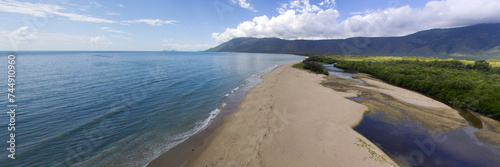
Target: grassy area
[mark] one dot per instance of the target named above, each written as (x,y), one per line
(357,77)
(466,84)
(314,67)
(299,65)
(494,62)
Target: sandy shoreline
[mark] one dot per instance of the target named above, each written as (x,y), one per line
(295,118)
(289,119)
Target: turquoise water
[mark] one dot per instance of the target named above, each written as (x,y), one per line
(118,108)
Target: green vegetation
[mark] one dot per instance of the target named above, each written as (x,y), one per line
(466,84)
(373,155)
(325,72)
(356,77)
(494,62)
(311,65)
(299,65)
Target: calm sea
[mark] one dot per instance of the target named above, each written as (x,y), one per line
(117,108)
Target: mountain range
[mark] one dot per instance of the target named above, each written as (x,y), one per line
(475,42)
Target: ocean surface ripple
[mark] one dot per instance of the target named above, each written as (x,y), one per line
(119,108)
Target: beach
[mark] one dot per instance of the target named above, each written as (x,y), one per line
(297,118)
(290,119)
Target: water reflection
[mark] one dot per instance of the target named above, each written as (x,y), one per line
(412,144)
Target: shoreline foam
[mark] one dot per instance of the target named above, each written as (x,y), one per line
(215,119)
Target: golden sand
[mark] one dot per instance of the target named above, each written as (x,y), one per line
(291,120)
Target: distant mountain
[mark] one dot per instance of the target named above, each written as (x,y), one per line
(480,41)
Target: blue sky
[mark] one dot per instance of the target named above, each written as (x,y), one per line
(201,24)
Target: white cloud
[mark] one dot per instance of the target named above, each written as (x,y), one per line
(297,20)
(25,38)
(367,11)
(20,36)
(100,40)
(113,30)
(169,45)
(112,13)
(301,20)
(39,10)
(327,3)
(44,10)
(244,4)
(436,14)
(95,4)
(153,22)
(300,6)
(84,18)
(121,6)
(23,34)
(33,40)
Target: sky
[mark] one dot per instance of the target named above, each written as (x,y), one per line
(192,25)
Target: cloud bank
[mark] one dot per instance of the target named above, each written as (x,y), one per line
(153,22)
(19,38)
(300,19)
(46,10)
(113,30)
(170,45)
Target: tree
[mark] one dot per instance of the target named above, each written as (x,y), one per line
(482,65)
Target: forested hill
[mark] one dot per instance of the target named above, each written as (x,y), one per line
(480,41)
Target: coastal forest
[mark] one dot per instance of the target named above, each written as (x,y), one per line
(473,85)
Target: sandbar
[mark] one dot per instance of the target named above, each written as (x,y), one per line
(290,119)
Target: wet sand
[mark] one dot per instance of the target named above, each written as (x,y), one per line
(490,133)
(290,120)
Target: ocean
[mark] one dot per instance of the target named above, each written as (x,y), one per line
(118,108)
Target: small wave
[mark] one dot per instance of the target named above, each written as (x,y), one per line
(179,138)
(171,139)
(209,120)
(203,124)
(213,114)
(235,89)
(106,56)
(265,71)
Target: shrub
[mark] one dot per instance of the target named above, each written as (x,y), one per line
(313,66)
(481,65)
(326,72)
(299,65)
